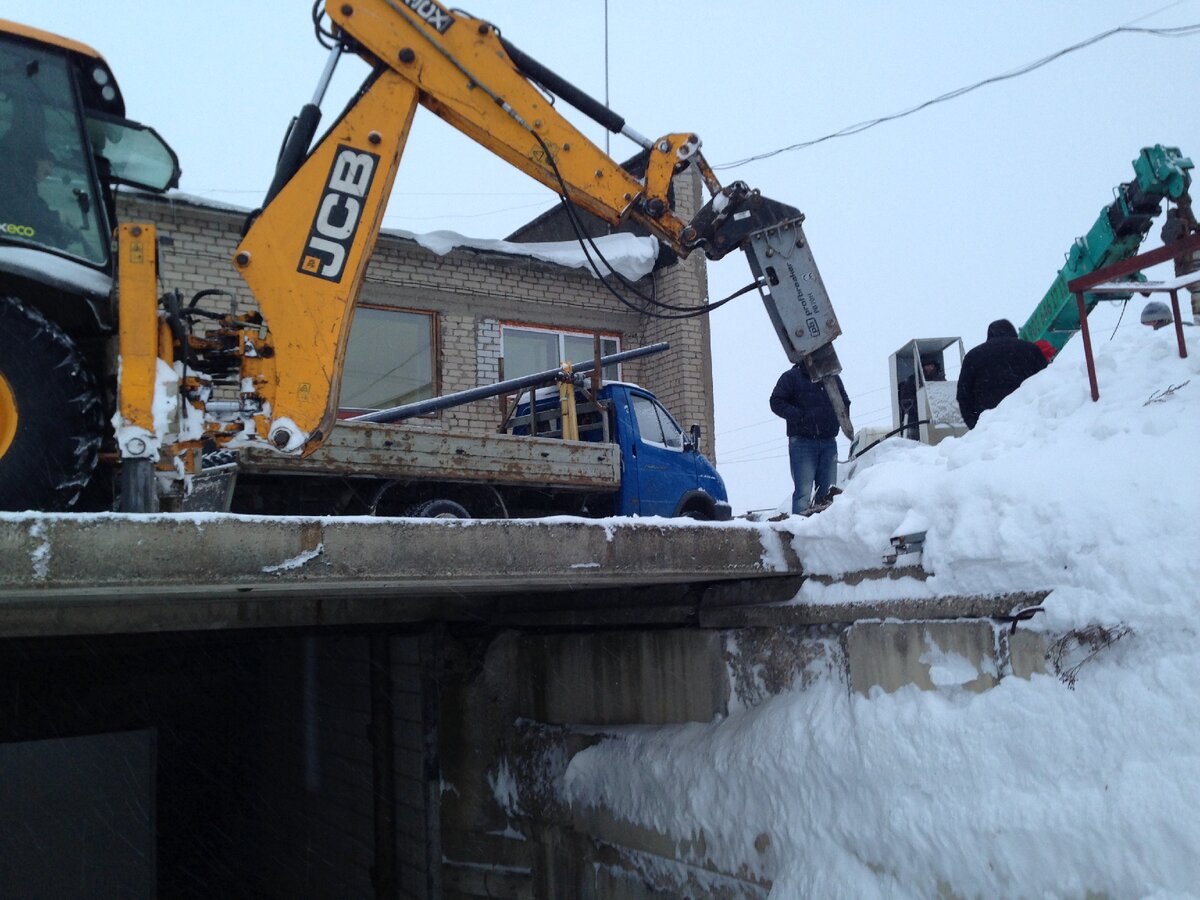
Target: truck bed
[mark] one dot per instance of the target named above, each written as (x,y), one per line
(404,452)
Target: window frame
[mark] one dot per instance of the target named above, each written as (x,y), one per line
(435,357)
(561,333)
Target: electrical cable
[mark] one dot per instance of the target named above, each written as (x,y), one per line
(1124,305)
(1180,31)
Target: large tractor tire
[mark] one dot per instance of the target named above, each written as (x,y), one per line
(50,413)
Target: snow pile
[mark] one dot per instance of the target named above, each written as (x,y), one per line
(1095,500)
(1029,789)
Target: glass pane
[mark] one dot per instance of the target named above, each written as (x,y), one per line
(647,418)
(608,346)
(526,352)
(389,361)
(135,154)
(672,433)
(48,197)
(579,348)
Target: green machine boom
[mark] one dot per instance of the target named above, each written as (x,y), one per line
(1161,173)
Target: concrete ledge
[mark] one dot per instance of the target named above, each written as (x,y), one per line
(981,606)
(109,573)
(930,655)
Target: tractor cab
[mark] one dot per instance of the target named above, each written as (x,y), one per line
(64,144)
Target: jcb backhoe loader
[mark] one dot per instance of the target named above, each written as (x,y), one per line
(66,333)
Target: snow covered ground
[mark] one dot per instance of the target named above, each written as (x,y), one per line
(1030,789)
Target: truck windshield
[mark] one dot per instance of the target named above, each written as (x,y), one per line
(48,195)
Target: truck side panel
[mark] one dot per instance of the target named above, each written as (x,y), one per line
(404,453)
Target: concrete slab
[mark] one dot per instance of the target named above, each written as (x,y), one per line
(122,573)
(1027,652)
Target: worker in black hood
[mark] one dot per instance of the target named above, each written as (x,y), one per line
(994,369)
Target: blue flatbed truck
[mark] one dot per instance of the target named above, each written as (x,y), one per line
(632,459)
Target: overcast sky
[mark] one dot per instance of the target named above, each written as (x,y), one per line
(928,226)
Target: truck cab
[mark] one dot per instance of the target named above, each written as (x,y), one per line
(663,472)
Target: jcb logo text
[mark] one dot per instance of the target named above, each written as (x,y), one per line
(338,214)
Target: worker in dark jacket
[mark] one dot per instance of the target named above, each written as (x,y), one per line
(812,427)
(994,369)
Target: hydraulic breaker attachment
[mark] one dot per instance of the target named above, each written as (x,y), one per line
(798,305)
(772,235)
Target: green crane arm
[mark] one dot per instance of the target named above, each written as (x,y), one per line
(1161,172)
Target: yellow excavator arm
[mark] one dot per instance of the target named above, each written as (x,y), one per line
(305,254)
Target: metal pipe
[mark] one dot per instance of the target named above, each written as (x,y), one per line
(537,379)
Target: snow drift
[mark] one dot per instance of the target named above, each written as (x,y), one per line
(1031,788)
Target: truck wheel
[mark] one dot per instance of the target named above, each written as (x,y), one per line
(50,415)
(439,509)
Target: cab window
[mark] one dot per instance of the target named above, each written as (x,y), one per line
(655,424)
(48,197)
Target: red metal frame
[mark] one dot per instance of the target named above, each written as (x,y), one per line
(1092,283)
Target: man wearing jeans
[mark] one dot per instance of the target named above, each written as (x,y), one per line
(812,428)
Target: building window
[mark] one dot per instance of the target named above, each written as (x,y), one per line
(528,350)
(389,359)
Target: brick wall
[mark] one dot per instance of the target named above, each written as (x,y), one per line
(471,293)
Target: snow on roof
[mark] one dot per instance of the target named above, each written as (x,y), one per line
(628,255)
(625,254)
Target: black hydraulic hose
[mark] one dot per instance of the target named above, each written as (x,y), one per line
(585,240)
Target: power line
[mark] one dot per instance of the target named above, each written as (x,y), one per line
(1180,31)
